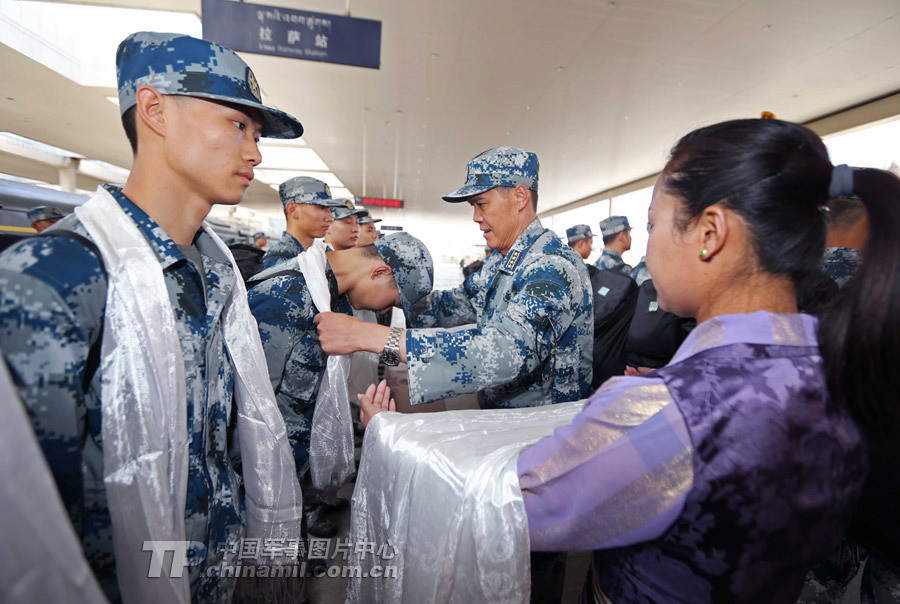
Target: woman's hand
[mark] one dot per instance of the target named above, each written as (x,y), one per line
(374,401)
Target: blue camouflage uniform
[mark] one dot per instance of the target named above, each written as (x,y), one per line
(640,272)
(533,311)
(840,263)
(286,248)
(300,189)
(284,311)
(52,304)
(52,300)
(610,259)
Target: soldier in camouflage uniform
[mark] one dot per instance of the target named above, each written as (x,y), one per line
(367,232)
(396,270)
(343,233)
(307,207)
(531,302)
(53,290)
(616,240)
(43,217)
(640,272)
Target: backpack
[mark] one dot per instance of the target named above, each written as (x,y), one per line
(614,295)
(654,335)
(248,259)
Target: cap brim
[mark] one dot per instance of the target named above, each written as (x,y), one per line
(463,193)
(276,123)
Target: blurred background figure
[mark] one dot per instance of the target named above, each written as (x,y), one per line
(614,296)
(260,240)
(44,217)
(368,234)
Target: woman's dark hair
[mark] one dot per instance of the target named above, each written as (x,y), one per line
(776,176)
(860,331)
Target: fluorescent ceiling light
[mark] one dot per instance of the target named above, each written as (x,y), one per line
(342,193)
(276,177)
(79,41)
(291,158)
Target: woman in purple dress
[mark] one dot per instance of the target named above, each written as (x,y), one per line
(727,474)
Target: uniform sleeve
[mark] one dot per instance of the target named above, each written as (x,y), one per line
(445,308)
(273,311)
(51,303)
(617,475)
(510,346)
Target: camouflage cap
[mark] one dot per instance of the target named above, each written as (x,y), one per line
(43,213)
(613,225)
(259,235)
(365,218)
(182,65)
(346,208)
(498,167)
(411,264)
(578,232)
(305,189)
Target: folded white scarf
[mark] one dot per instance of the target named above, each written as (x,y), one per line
(331,460)
(143,401)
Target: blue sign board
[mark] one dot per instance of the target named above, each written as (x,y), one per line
(297,34)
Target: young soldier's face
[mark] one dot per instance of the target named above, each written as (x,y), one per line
(344,232)
(211,148)
(378,292)
(313,220)
(367,234)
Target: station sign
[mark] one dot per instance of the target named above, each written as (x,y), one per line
(297,34)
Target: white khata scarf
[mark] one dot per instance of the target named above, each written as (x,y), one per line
(331,459)
(143,401)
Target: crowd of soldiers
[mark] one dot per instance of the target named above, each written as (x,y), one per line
(533,326)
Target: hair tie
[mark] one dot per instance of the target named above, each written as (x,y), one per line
(841,184)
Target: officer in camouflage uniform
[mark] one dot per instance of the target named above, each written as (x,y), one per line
(531,302)
(616,240)
(395,270)
(43,217)
(53,292)
(307,207)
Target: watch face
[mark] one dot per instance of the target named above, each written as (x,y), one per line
(390,357)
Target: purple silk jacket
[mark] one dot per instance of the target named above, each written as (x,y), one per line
(722,477)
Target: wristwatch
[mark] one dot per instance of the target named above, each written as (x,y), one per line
(391,353)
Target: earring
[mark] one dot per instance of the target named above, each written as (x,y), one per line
(703,253)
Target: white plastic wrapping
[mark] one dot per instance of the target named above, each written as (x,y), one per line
(440,494)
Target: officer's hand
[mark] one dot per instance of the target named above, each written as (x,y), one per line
(374,401)
(339,333)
